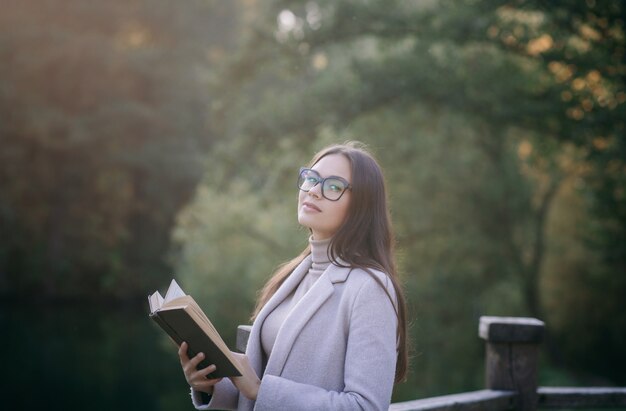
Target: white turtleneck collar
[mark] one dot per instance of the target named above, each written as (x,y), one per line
(319,255)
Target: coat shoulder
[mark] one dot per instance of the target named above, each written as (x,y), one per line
(370,280)
(362,276)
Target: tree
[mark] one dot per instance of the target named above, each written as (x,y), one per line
(103,124)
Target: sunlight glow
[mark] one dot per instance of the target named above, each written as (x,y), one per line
(313,15)
(540,45)
(286,21)
(133,36)
(524,150)
(289,26)
(320,61)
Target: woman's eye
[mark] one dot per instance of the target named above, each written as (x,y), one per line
(311,180)
(335,188)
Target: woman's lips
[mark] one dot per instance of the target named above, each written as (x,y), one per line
(310,206)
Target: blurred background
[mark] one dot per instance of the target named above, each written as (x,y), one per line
(145,140)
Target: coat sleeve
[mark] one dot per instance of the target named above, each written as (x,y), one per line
(369,366)
(225,396)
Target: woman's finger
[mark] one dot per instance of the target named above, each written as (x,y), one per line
(203,373)
(192,364)
(182,353)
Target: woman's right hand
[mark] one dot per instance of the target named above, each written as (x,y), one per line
(197,379)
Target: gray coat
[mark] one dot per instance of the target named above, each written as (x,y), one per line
(336,349)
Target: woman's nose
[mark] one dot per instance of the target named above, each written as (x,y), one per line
(316,190)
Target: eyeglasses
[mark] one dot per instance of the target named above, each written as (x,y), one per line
(333,187)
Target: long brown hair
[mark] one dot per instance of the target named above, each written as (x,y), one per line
(364,240)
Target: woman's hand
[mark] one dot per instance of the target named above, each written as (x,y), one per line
(197,379)
(248,384)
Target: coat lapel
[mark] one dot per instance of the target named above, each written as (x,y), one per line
(301,313)
(290,284)
(255,349)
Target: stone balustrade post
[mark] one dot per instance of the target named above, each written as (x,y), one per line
(512,351)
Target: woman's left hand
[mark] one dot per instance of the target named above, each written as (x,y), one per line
(248,384)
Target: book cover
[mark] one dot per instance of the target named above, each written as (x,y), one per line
(183,320)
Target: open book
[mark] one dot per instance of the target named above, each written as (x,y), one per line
(183,320)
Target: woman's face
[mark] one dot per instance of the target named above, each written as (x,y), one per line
(322,216)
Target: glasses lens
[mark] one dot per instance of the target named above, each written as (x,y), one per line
(308,179)
(333,188)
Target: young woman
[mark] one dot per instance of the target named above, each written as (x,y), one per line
(329,328)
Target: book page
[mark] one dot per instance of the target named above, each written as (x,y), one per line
(174,291)
(156,301)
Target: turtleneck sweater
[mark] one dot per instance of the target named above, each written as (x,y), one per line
(273,322)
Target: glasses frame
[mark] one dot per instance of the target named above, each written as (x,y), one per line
(321,181)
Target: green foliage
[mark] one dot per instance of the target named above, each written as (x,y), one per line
(103,125)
